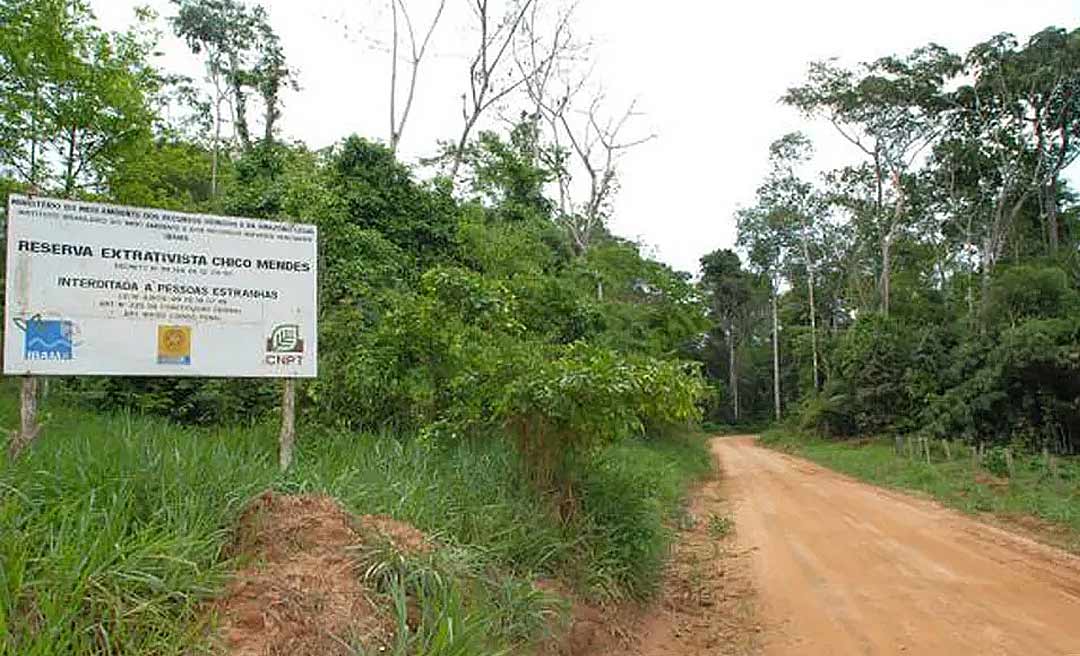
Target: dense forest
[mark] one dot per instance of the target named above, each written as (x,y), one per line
(929,287)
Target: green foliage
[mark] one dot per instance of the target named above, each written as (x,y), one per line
(1030,292)
(1024,385)
(75,101)
(113,534)
(115,528)
(585,397)
(375,191)
(868,393)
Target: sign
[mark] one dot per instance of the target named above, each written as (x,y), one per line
(96,289)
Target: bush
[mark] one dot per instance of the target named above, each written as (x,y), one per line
(564,406)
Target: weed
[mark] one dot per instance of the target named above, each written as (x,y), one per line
(720,526)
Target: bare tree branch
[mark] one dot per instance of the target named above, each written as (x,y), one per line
(417,51)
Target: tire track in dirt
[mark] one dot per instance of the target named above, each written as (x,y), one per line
(842,567)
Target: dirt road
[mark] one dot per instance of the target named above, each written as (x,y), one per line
(846,568)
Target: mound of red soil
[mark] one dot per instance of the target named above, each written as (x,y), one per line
(403,537)
(300,595)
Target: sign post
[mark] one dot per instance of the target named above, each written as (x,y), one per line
(107,290)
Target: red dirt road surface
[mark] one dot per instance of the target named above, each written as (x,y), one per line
(842,567)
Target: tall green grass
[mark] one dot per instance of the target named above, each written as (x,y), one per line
(1032,491)
(113,529)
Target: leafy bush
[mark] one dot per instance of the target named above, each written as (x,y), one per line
(828,414)
(564,407)
(871,384)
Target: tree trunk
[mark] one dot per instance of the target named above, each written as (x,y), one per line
(459,153)
(813,332)
(217,146)
(733,374)
(776,351)
(288,423)
(886,273)
(239,103)
(810,280)
(393,77)
(1050,210)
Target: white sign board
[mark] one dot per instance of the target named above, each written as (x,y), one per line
(96,289)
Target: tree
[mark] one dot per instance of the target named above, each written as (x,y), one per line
(490,76)
(74,100)
(729,289)
(242,53)
(417,50)
(798,211)
(1012,131)
(890,110)
(599,144)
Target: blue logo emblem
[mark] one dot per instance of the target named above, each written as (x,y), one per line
(47,339)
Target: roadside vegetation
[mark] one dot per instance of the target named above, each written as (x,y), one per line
(1039,486)
(118,534)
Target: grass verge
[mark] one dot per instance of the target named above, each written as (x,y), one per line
(114,529)
(1032,492)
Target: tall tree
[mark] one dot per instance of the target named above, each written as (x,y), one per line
(1014,129)
(729,290)
(242,53)
(890,111)
(798,214)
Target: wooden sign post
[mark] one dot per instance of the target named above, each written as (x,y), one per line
(288,424)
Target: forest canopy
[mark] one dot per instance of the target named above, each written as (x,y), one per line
(930,285)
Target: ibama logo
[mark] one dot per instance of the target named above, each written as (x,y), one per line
(48,339)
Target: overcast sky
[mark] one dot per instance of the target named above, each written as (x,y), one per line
(707,74)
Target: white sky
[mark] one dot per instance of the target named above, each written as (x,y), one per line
(707,73)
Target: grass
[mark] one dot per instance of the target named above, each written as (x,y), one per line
(113,529)
(1032,492)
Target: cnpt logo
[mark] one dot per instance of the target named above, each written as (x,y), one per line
(47,339)
(284,346)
